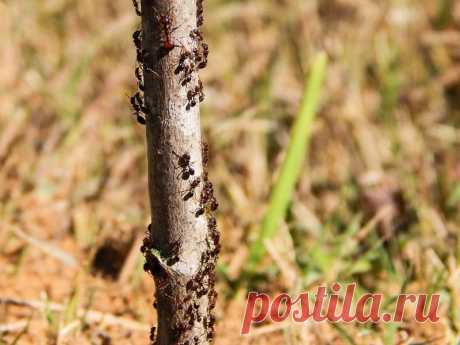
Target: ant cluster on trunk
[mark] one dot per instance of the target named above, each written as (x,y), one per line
(204,281)
(137,100)
(208,202)
(192,61)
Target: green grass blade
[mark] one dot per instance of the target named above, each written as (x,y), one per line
(297,151)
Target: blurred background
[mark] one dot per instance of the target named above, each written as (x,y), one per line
(377,201)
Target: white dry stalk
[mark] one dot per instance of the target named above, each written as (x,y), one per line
(90,316)
(47,248)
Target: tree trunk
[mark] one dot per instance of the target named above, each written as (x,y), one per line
(182,242)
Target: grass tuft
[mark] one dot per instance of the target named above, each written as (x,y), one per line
(295,157)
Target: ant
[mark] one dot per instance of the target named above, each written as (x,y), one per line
(165,23)
(212,224)
(139,108)
(191,320)
(190,310)
(196,34)
(137,7)
(191,190)
(214,234)
(199,89)
(138,73)
(210,334)
(185,63)
(152,334)
(141,54)
(199,212)
(184,160)
(187,79)
(213,204)
(139,78)
(204,60)
(206,193)
(190,286)
(199,13)
(192,94)
(191,102)
(212,299)
(188,195)
(184,164)
(205,154)
(146,244)
(137,39)
(174,254)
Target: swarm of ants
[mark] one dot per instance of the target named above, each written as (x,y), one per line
(137,100)
(204,281)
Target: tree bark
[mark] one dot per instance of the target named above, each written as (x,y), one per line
(181,246)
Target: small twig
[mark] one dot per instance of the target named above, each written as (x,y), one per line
(65,331)
(53,251)
(90,316)
(371,224)
(13,327)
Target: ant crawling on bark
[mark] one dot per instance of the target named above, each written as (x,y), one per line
(152,334)
(174,256)
(206,193)
(165,23)
(192,94)
(190,192)
(189,285)
(137,7)
(199,13)
(138,106)
(184,163)
(212,295)
(204,59)
(187,79)
(141,54)
(137,39)
(191,102)
(213,205)
(196,35)
(140,79)
(185,63)
(199,211)
(199,89)
(205,154)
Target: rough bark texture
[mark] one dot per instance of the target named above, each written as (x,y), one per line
(182,242)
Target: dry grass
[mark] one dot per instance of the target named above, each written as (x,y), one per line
(73,173)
